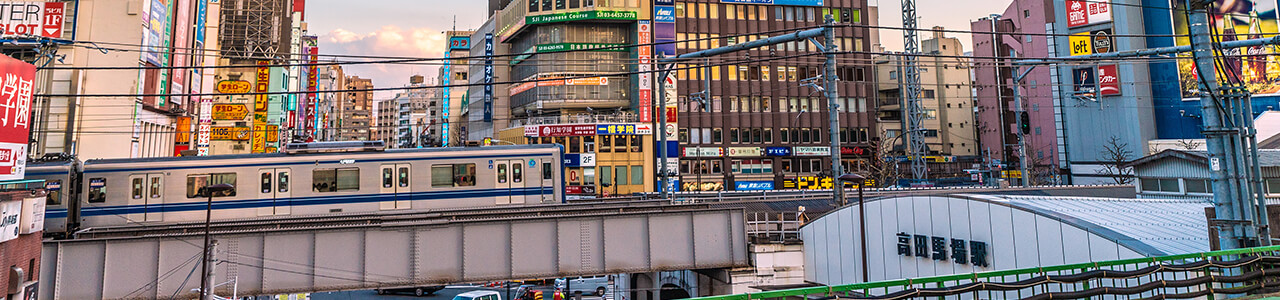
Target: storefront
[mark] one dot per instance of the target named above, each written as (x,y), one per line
(601,160)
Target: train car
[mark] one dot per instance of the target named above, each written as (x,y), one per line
(60,175)
(166,190)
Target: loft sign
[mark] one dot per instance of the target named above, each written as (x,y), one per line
(942,249)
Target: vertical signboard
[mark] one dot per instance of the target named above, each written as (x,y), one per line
(645,55)
(206,124)
(488,77)
(313,53)
(182,137)
(664,28)
(446,75)
(15,113)
(260,107)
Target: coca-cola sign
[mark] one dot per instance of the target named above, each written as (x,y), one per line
(1108,80)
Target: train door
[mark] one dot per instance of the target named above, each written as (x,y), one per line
(145,191)
(502,181)
(546,175)
(519,180)
(395,186)
(273,189)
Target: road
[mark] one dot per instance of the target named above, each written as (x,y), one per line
(445,294)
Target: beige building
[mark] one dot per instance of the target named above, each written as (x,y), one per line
(354,121)
(945,97)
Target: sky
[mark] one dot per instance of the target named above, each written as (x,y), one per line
(415,28)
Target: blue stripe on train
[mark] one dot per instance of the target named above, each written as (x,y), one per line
(299,201)
(335,161)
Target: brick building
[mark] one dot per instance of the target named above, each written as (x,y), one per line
(22,205)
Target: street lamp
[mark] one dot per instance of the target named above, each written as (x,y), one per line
(209,191)
(862,215)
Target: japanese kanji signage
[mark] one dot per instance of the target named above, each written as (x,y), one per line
(230,111)
(15,114)
(1081,12)
(260,108)
(31,18)
(943,249)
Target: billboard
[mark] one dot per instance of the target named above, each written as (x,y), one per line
(460,43)
(1258,67)
(1088,12)
(1108,80)
(488,77)
(644,34)
(27,18)
(15,112)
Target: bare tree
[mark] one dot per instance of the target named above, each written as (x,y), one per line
(1114,155)
(1189,144)
(883,167)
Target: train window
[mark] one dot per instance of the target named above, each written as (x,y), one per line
(404,176)
(335,180)
(283,177)
(442,176)
(386,177)
(136,188)
(502,173)
(54,187)
(197,181)
(456,175)
(546,170)
(97,190)
(516,174)
(464,175)
(155,187)
(266,182)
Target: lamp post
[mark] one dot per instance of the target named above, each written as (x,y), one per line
(209,191)
(862,216)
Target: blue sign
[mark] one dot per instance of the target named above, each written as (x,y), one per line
(777,2)
(672,183)
(673,149)
(460,43)
(777,151)
(664,2)
(488,77)
(572,160)
(753,185)
(664,14)
(616,129)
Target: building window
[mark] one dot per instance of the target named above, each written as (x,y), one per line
(768,135)
(1198,186)
(717,135)
(335,180)
(733,135)
(637,175)
(1161,185)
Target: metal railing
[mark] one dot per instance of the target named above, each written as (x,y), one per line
(1194,275)
(770,227)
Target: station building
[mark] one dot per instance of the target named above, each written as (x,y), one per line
(922,236)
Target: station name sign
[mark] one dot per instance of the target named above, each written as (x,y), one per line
(942,249)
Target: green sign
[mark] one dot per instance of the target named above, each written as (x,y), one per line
(544,48)
(582,15)
(580,46)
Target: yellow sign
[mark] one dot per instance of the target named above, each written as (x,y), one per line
(259,138)
(1081,43)
(233,86)
(1011,174)
(228,133)
(273,133)
(230,111)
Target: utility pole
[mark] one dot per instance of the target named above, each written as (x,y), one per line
(662,130)
(206,281)
(1020,110)
(833,113)
(916,149)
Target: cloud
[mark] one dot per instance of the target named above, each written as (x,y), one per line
(386,41)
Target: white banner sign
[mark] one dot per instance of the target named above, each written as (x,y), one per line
(10,215)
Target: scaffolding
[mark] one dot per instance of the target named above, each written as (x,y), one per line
(254,29)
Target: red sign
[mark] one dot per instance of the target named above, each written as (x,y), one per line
(15,113)
(852,151)
(53,12)
(1087,12)
(580,189)
(1077,13)
(566,130)
(1108,80)
(672,114)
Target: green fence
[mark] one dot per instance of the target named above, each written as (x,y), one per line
(1203,275)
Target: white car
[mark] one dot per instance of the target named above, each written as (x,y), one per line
(594,285)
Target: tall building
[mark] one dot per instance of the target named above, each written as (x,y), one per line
(256,28)
(765,129)
(997,115)
(407,130)
(331,78)
(949,131)
(354,120)
(489,105)
(386,119)
(117,126)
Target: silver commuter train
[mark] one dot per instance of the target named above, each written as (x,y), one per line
(115,192)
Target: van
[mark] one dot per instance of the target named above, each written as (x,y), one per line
(593,285)
(478,295)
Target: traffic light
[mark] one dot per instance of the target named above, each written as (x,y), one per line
(1026,122)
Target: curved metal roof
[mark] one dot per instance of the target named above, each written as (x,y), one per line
(1151,227)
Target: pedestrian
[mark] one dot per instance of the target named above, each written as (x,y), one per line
(559,295)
